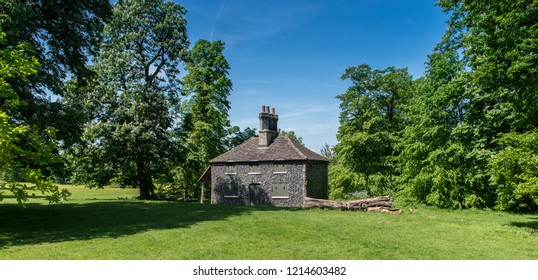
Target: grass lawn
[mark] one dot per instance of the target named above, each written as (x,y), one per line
(107,224)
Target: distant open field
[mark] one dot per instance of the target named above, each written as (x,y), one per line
(108,224)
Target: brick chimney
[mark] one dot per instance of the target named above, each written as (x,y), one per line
(268,126)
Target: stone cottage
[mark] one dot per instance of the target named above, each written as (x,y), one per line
(267,170)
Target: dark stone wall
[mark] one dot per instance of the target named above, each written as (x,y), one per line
(317,185)
(294,178)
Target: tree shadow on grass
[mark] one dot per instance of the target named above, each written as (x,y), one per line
(39,223)
(531,225)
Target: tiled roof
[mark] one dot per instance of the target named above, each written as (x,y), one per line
(283,148)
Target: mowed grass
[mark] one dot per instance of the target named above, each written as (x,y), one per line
(108,224)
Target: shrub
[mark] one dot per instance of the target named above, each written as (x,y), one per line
(513,171)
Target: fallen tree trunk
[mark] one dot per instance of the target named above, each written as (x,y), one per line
(362,204)
(381,202)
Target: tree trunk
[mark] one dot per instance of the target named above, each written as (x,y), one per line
(381,202)
(145,183)
(201,192)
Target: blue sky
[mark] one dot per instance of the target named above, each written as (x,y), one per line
(290,55)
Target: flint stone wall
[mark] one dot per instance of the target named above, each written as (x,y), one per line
(295,178)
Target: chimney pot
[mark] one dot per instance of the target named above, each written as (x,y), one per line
(268,109)
(273,111)
(263,109)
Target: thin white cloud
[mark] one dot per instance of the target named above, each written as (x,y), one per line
(243,23)
(252,91)
(254,82)
(305,110)
(217,17)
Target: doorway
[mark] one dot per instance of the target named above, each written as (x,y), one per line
(255,194)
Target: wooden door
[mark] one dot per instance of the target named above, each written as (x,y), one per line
(255,194)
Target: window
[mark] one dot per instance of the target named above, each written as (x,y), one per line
(230,190)
(280,190)
(230,169)
(279,168)
(254,168)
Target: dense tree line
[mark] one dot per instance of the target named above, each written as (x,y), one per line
(122,112)
(464,135)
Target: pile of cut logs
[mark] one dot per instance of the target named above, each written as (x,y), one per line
(376,204)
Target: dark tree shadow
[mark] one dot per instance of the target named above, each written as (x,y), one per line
(531,224)
(65,222)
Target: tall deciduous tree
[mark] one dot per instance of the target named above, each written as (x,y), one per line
(437,162)
(135,100)
(477,100)
(22,154)
(61,35)
(370,121)
(206,124)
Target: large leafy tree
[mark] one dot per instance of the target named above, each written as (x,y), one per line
(371,118)
(437,161)
(206,124)
(22,154)
(62,35)
(500,45)
(480,88)
(135,99)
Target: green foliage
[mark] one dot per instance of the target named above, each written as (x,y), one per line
(14,63)
(238,137)
(206,126)
(22,153)
(462,132)
(344,183)
(370,121)
(328,152)
(480,88)
(133,102)
(513,171)
(437,159)
(292,135)
(62,36)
